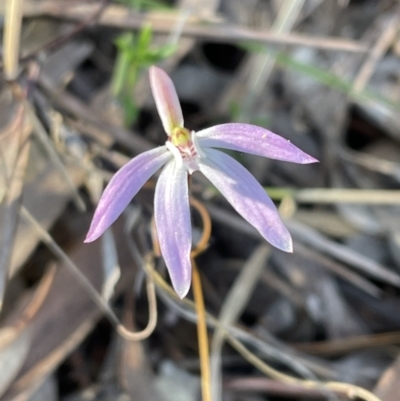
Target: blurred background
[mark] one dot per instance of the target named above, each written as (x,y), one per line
(75,105)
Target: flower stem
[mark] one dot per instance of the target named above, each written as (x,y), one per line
(202,335)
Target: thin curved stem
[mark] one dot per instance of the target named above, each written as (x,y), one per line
(205,216)
(151,325)
(91,291)
(351,391)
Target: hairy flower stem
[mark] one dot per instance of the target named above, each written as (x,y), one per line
(202,334)
(199,301)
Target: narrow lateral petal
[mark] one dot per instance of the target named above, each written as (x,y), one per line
(123,186)
(166,99)
(172,217)
(247,196)
(252,139)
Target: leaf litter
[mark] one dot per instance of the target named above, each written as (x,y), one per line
(321,323)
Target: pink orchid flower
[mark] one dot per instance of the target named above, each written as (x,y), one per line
(185,152)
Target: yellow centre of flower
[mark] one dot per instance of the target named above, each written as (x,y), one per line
(180,143)
(180,137)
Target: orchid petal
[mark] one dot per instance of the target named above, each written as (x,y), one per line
(172,217)
(247,197)
(252,139)
(123,186)
(166,99)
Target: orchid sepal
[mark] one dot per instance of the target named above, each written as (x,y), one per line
(174,231)
(166,98)
(247,197)
(123,186)
(254,140)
